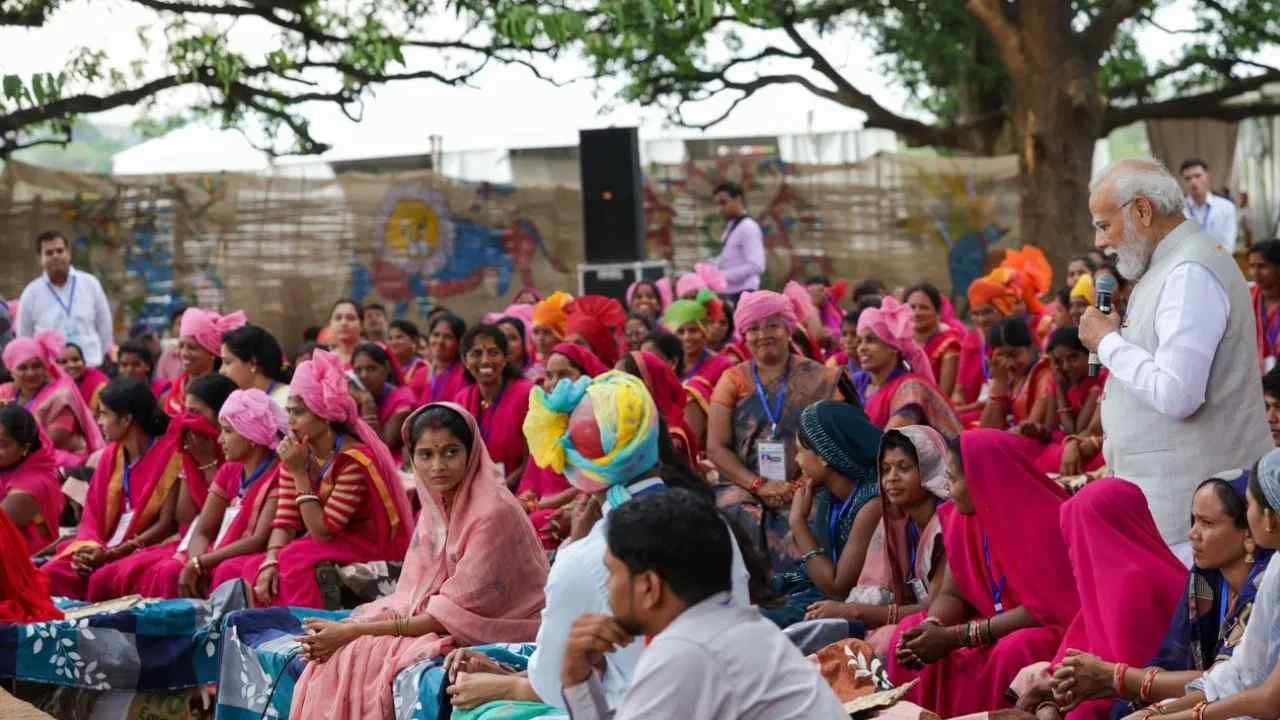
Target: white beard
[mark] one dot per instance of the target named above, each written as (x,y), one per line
(1134,254)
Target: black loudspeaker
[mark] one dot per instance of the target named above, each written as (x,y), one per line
(613,279)
(612,198)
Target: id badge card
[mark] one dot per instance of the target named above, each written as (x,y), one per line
(502,470)
(772,460)
(228,517)
(1270,363)
(920,589)
(122,527)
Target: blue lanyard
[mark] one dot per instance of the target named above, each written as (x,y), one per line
(486,419)
(775,416)
(706,355)
(272,387)
(1208,208)
(852,370)
(997,589)
(986,364)
(1225,604)
(247,482)
(913,540)
(128,472)
(71,299)
(837,515)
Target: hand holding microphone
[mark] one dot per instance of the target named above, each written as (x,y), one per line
(1104,288)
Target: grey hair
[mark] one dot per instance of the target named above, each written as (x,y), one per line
(1148,178)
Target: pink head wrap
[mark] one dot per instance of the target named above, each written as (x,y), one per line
(801,303)
(321,384)
(705,276)
(255,415)
(208,327)
(46,346)
(893,324)
(756,306)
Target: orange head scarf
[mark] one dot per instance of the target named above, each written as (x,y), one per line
(1030,274)
(553,312)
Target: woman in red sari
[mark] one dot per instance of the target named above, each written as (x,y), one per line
(687,320)
(345,329)
(941,344)
(895,383)
(402,343)
(721,335)
(384,401)
(41,386)
(89,381)
(475,575)
(670,397)
(24,592)
(340,494)
(200,348)
(236,518)
(1022,387)
(30,486)
(544,492)
(1077,402)
(644,298)
(990,301)
(197,430)
(550,318)
(133,497)
(448,376)
(1000,607)
(498,399)
(135,360)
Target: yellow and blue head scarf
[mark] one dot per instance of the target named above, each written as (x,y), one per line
(599,433)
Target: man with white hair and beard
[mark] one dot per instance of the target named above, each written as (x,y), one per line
(1184,400)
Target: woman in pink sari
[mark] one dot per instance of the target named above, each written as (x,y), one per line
(133,497)
(596,322)
(542,491)
(40,385)
(827,298)
(549,324)
(1000,607)
(1022,385)
(200,348)
(896,381)
(940,343)
(1129,585)
(687,320)
(475,574)
(385,401)
(30,487)
(236,518)
(670,397)
(89,381)
(197,431)
(448,376)
(498,398)
(340,494)
(402,344)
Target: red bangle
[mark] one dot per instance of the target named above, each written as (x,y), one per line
(1197,712)
(998,398)
(1144,693)
(1117,680)
(757,484)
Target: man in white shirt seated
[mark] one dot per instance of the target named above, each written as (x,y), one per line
(1215,214)
(669,557)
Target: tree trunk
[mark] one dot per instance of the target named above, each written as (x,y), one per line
(1058,114)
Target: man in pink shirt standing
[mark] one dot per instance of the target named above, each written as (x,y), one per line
(742,259)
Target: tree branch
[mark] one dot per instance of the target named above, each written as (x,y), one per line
(1101,33)
(1210,105)
(1004,35)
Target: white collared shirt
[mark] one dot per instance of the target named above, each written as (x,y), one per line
(1218,218)
(1191,318)
(78,309)
(716,661)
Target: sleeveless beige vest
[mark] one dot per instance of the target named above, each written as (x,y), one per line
(1168,457)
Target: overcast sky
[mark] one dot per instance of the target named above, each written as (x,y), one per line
(508,107)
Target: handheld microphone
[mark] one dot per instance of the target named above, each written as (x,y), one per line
(1104,288)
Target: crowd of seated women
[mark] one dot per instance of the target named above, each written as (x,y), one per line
(896,482)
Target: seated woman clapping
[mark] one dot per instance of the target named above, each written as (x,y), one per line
(474,574)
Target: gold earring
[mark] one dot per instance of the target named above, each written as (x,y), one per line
(1249,548)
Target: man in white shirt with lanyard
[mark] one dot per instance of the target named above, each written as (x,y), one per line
(67,300)
(742,257)
(1214,213)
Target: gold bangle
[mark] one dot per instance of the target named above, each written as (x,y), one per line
(212,463)
(305,499)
